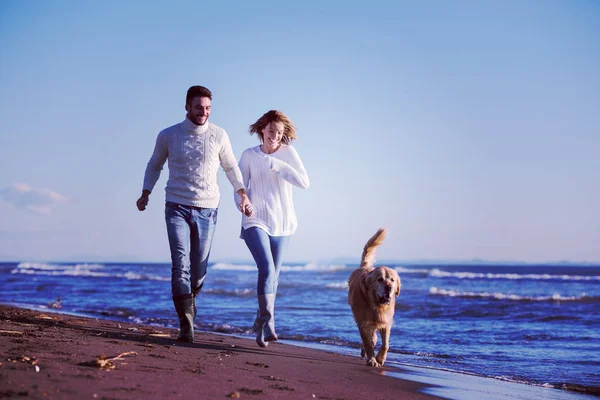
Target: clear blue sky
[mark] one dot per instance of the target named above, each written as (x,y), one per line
(471,129)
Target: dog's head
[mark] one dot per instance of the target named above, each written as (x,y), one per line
(383,284)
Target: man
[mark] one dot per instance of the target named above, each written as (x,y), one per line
(193,149)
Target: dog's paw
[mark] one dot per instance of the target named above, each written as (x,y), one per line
(380,361)
(373,363)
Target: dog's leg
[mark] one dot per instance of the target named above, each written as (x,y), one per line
(385,345)
(373,343)
(367,339)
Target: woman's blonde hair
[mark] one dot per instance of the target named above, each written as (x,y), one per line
(289,130)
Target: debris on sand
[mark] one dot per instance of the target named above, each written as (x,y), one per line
(11,333)
(257,364)
(57,304)
(104,362)
(251,391)
(44,316)
(164,335)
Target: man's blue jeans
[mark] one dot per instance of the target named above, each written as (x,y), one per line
(267,252)
(190,230)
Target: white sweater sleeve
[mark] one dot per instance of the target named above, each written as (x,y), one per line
(245,171)
(229,163)
(293,172)
(156,162)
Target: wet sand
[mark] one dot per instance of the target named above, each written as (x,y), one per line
(59,356)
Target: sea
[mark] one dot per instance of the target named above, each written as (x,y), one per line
(536,325)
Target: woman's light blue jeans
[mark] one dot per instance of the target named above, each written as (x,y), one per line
(267,252)
(190,231)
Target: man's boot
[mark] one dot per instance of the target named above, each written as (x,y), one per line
(195,293)
(184,305)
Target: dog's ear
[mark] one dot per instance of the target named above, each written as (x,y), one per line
(398,285)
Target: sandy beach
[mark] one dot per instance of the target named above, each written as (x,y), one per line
(58,356)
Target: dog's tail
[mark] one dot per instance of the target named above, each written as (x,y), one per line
(368,255)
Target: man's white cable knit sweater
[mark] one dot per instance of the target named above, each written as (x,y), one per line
(194,154)
(269,179)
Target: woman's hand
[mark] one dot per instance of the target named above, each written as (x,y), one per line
(245,205)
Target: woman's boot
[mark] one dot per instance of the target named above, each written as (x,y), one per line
(258,328)
(264,324)
(269,329)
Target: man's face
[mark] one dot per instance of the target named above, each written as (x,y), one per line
(199,111)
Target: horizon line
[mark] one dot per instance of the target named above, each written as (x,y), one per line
(343,260)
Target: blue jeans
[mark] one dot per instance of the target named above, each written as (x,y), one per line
(190,230)
(267,252)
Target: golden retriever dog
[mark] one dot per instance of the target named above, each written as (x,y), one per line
(372,296)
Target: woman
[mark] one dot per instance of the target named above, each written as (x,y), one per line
(269,171)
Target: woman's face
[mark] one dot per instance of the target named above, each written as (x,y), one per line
(272,135)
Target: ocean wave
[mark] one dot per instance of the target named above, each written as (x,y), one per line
(330,341)
(81,270)
(154,321)
(584,389)
(553,318)
(143,277)
(31,266)
(433,355)
(229,329)
(412,270)
(504,296)
(233,267)
(60,269)
(235,292)
(337,285)
(221,328)
(296,268)
(438,273)
(121,312)
(316,267)
(335,342)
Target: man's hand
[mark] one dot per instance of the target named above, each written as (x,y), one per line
(249,210)
(142,202)
(245,205)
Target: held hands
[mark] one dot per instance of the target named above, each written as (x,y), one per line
(245,205)
(249,210)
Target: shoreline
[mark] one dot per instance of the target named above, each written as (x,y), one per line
(71,337)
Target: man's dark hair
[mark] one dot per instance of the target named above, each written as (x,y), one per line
(197,91)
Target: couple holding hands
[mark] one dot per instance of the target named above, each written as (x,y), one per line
(262,184)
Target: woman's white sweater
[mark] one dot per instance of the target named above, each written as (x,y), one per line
(268,179)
